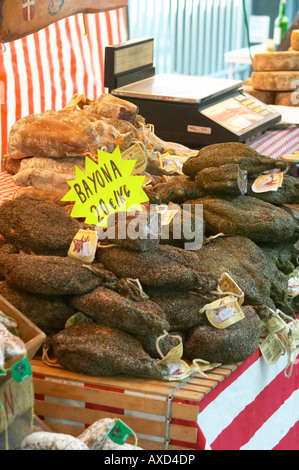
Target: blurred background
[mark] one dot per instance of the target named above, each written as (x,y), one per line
(193,36)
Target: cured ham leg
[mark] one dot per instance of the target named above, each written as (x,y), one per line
(18,18)
(53,134)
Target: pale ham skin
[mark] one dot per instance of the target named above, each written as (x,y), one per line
(51,441)
(109,106)
(53,134)
(96,435)
(13,346)
(112,446)
(104,124)
(20,18)
(48,174)
(2,355)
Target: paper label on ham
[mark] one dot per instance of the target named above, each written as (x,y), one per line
(266,183)
(224,312)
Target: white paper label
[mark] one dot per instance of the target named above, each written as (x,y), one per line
(223,315)
(200,130)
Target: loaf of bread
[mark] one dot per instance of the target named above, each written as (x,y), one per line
(275,81)
(286,98)
(267,97)
(276,61)
(295,39)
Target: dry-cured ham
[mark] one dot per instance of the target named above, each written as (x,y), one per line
(110,106)
(23,17)
(53,134)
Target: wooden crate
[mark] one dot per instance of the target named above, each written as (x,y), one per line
(16,398)
(68,402)
(32,336)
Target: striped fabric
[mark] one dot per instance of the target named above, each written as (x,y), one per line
(7,187)
(276,143)
(43,70)
(255,408)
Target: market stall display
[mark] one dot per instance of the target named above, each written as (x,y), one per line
(122,313)
(101,290)
(95,437)
(20,339)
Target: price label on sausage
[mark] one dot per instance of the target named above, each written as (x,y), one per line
(227,284)
(271,349)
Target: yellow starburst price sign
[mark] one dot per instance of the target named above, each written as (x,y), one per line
(105,188)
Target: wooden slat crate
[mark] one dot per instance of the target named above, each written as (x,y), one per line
(16,397)
(141,403)
(32,336)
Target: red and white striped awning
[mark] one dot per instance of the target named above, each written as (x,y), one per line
(43,70)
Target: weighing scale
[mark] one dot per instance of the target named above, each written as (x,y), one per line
(190,110)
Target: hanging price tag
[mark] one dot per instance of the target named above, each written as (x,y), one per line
(283,337)
(120,432)
(179,369)
(228,285)
(276,325)
(294,331)
(271,349)
(176,367)
(84,246)
(136,153)
(224,312)
(289,343)
(266,183)
(21,370)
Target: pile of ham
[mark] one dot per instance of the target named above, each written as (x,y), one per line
(44,149)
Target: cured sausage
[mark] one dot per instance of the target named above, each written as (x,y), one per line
(51,441)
